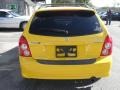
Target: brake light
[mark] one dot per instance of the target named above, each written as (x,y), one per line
(107,47)
(24,49)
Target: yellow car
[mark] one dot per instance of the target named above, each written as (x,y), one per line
(65,43)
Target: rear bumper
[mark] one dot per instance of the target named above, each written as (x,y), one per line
(30,68)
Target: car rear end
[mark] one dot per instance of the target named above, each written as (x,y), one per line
(65,43)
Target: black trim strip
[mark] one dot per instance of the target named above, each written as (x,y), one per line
(67,62)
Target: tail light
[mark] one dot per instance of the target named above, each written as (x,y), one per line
(107,47)
(24,49)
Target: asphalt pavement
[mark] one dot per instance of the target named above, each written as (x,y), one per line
(10,77)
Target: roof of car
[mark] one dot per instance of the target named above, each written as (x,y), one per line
(63,8)
(5,10)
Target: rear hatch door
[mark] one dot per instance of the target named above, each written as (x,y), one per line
(65,35)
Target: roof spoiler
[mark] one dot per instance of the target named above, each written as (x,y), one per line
(66,4)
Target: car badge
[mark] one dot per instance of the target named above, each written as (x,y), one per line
(66,38)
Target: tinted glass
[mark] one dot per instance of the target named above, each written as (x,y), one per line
(65,23)
(3,14)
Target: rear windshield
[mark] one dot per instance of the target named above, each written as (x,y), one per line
(65,23)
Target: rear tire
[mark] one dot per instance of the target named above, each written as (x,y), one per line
(87,82)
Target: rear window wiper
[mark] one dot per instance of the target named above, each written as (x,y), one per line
(54,30)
